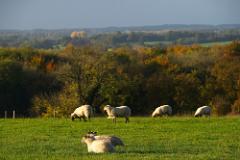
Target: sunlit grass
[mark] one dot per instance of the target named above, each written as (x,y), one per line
(145,138)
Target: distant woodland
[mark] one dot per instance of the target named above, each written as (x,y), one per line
(157,36)
(45,74)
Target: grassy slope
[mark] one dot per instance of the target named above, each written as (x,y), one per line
(210,44)
(207,44)
(145,138)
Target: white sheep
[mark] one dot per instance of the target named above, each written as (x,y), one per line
(122,111)
(97,146)
(162,110)
(204,110)
(112,139)
(84,111)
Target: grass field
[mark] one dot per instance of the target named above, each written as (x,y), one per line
(144,137)
(152,43)
(210,44)
(207,44)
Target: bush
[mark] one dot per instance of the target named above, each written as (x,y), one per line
(236,106)
(59,105)
(221,106)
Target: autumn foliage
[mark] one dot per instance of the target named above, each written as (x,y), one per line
(46,82)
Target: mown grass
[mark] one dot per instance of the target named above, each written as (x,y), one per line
(145,138)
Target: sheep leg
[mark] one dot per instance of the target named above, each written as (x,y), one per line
(114,120)
(208,114)
(127,120)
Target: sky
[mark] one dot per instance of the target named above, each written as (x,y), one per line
(60,14)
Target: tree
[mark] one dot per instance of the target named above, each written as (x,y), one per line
(13,94)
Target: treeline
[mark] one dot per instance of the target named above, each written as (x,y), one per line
(59,39)
(171,37)
(45,82)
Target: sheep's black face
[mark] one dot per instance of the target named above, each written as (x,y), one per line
(73,118)
(105,111)
(91,134)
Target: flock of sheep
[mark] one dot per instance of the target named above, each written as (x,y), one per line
(104,143)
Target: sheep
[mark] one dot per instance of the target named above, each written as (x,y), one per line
(162,110)
(122,111)
(84,111)
(112,139)
(97,146)
(204,110)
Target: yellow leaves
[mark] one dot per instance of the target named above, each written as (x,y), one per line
(61,104)
(145,50)
(47,65)
(232,49)
(162,60)
(37,60)
(183,49)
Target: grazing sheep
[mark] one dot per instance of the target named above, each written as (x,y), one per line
(97,146)
(112,139)
(204,110)
(84,111)
(122,111)
(162,110)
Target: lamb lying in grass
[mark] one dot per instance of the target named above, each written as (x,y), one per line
(84,111)
(112,139)
(204,110)
(97,146)
(122,111)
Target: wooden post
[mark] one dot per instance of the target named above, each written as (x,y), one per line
(13,116)
(5,114)
(54,113)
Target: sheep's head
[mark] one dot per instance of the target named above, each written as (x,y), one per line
(87,139)
(92,133)
(107,108)
(197,115)
(154,115)
(72,116)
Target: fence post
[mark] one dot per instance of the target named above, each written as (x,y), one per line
(13,116)
(5,114)
(54,113)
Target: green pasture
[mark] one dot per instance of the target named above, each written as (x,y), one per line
(210,44)
(144,137)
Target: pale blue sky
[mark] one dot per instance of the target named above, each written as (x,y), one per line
(55,14)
